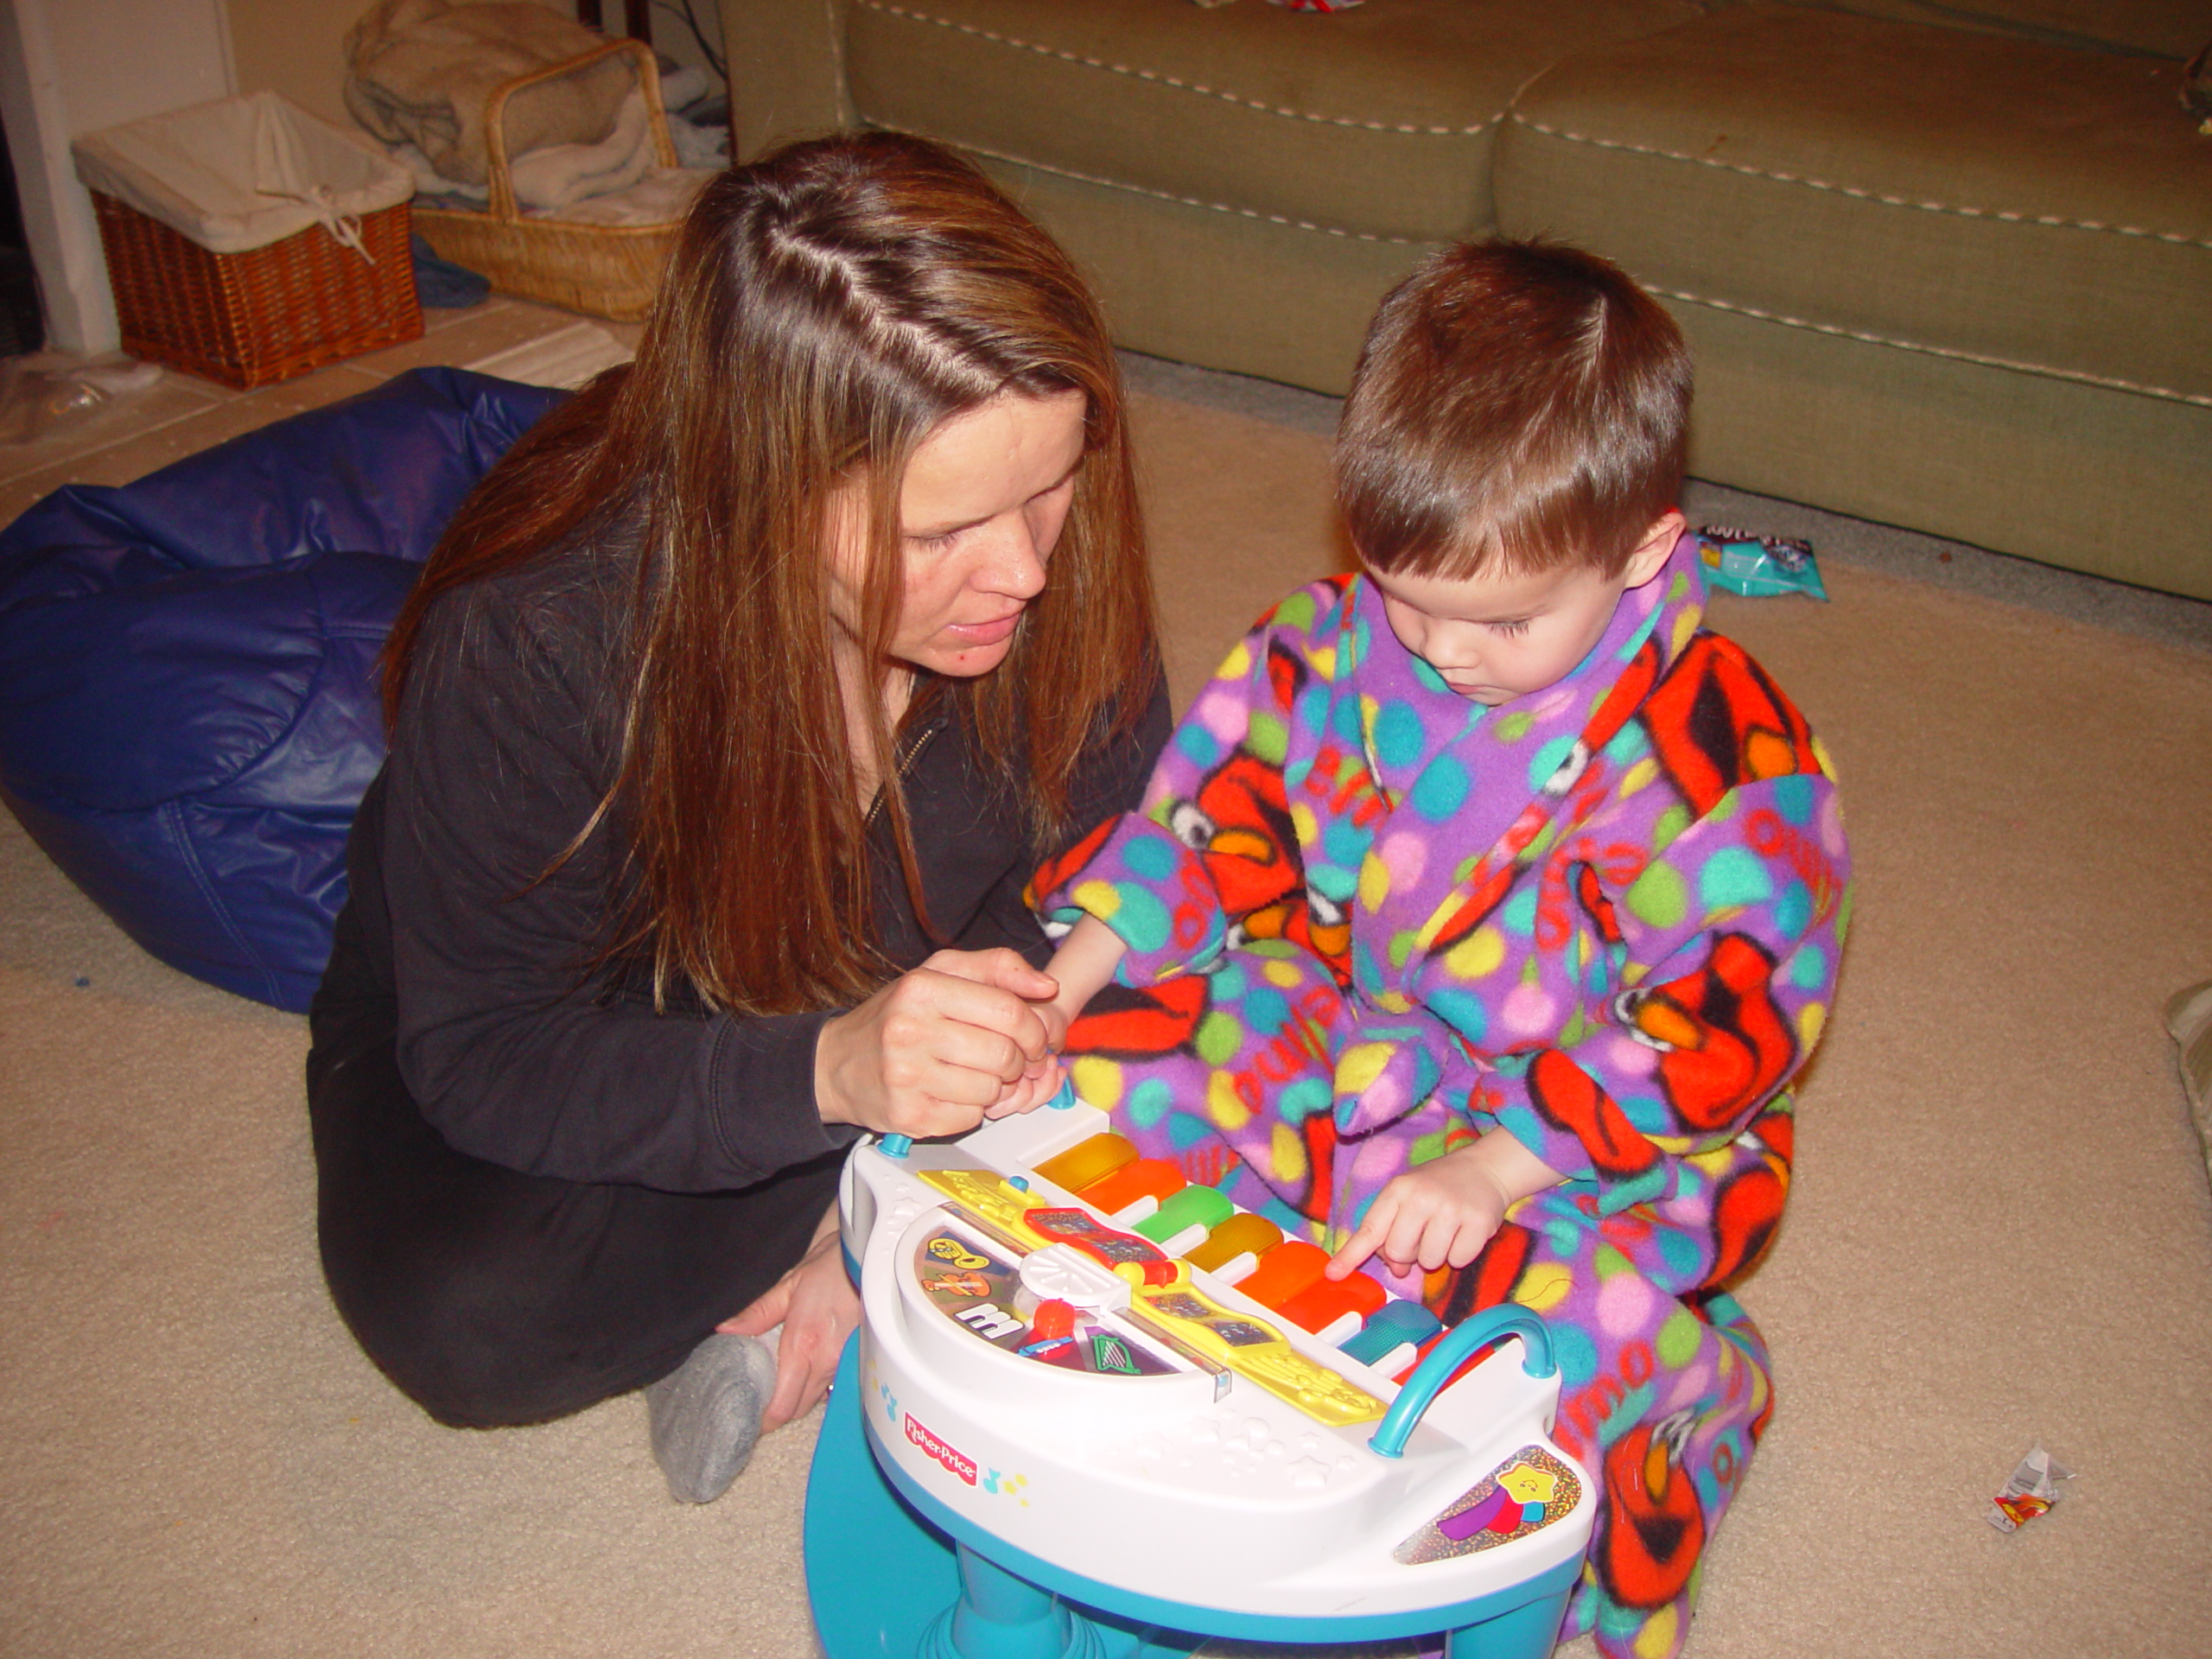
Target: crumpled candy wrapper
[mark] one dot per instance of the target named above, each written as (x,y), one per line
(1294,5)
(2031,1491)
(1757,567)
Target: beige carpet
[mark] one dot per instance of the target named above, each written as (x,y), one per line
(2001,1232)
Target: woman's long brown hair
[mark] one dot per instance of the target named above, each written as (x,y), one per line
(825,309)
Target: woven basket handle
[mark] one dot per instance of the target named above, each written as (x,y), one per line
(502,205)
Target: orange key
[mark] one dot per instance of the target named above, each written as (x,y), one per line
(1325,1301)
(1147,1177)
(1284,1271)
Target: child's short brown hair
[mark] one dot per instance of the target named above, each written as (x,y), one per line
(1517,406)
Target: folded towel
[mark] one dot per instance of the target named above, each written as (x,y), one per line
(561,173)
(614,182)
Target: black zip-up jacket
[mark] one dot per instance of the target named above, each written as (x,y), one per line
(507,740)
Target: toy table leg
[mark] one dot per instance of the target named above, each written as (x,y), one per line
(884,1582)
(1002,1616)
(1527,1631)
(876,1575)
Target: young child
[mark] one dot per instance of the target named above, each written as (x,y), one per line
(1484,905)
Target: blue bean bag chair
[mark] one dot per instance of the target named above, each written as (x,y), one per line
(188,710)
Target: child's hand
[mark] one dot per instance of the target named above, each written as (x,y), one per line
(1084,962)
(1042,1080)
(1030,1089)
(1442,1213)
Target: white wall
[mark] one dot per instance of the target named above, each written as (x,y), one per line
(297,47)
(672,39)
(71,66)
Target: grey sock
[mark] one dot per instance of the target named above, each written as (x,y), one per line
(705,1415)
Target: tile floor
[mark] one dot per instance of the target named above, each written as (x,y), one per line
(182,414)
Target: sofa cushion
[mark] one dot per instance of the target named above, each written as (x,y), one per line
(2166,28)
(2000,201)
(1376,122)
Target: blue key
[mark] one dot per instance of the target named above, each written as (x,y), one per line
(1395,1321)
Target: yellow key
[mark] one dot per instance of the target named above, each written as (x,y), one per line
(1089,1160)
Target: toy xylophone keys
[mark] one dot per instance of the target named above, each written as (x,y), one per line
(1232,1249)
(1335,1310)
(1393,1333)
(1133,1193)
(1184,1218)
(1150,1197)
(1088,1161)
(1284,1271)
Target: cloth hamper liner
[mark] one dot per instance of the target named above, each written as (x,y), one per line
(248,243)
(238,174)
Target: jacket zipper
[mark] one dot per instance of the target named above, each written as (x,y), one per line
(905,765)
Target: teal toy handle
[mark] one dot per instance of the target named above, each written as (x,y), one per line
(1476,1330)
(898,1146)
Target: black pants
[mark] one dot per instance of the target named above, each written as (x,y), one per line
(492,1296)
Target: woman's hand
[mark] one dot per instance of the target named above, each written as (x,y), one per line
(1080,970)
(934,1051)
(1441,1213)
(817,1306)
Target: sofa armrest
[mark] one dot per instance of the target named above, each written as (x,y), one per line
(786,71)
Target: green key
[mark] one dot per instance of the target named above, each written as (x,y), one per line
(1194,1206)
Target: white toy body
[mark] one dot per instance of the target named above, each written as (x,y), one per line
(1196,1485)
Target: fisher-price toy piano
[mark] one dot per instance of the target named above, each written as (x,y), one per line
(1095,1412)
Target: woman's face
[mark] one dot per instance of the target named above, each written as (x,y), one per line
(981,506)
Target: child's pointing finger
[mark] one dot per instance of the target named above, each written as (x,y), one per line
(1362,1244)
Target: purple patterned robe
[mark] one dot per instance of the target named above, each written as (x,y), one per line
(1368,919)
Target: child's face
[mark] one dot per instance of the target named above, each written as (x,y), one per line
(1495,637)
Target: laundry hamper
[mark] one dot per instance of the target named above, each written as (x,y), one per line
(607,270)
(249,243)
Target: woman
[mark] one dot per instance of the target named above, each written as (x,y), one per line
(727,722)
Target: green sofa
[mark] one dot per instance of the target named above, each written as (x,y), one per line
(1946,265)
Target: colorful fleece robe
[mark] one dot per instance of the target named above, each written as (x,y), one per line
(1368,919)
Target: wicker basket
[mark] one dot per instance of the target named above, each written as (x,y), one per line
(609,271)
(250,319)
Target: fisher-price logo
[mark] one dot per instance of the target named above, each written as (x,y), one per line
(957,1463)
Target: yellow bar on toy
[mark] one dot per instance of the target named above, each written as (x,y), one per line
(1252,1348)
(992,1200)
(1170,1305)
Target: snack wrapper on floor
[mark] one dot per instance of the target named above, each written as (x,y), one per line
(2031,1491)
(1758,567)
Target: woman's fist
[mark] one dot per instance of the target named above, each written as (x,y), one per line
(937,1049)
